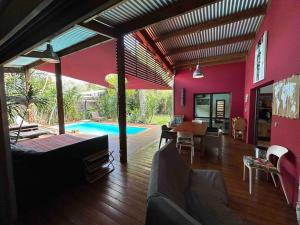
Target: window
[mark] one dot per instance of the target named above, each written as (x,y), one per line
(220,108)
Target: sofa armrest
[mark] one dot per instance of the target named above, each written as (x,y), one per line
(162,211)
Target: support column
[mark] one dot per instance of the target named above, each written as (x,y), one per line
(60,100)
(121,99)
(8,211)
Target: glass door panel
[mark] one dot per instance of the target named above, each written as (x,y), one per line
(214,109)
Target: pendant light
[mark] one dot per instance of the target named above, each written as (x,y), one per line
(49,55)
(198,73)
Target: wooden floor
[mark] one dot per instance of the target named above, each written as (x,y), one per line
(120,198)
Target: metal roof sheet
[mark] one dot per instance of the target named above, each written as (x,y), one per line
(208,13)
(21,61)
(215,51)
(131,9)
(71,37)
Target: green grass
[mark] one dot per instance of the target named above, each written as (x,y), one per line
(160,119)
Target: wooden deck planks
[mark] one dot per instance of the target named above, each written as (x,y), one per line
(120,198)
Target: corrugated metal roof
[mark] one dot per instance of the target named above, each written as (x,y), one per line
(130,9)
(235,29)
(215,51)
(70,37)
(205,14)
(21,61)
(208,13)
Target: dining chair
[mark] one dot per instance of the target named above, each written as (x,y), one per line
(266,165)
(185,139)
(166,134)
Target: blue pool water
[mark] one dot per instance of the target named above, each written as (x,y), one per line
(101,128)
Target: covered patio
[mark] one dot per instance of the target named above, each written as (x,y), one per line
(157,45)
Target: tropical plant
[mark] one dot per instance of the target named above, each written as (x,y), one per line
(72,100)
(18,104)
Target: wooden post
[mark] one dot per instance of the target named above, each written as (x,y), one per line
(8,211)
(121,99)
(60,100)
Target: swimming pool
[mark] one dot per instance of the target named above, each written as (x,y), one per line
(101,128)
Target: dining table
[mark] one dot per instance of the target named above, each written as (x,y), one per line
(197,129)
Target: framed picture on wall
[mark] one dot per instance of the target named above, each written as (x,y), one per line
(260,59)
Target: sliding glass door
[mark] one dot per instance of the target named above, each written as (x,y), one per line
(213,109)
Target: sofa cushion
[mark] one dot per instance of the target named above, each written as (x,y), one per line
(162,211)
(211,182)
(169,175)
(206,199)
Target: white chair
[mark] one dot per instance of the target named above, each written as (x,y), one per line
(265,165)
(197,121)
(186,139)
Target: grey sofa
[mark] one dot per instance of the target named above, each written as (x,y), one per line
(180,195)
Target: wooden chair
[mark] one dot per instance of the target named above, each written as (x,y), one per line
(166,134)
(265,165)
(238,127)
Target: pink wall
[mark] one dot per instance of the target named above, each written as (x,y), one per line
(94,63)
(283,59)
(217,79)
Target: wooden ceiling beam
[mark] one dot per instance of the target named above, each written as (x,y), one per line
(98,39)
(211,60)
(211,44)
(20,13)
(144,35)
(45,26)
(178,8)
(14,69)
(100,28)
(215,23)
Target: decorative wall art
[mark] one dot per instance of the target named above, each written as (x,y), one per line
(260,59)
(286,97)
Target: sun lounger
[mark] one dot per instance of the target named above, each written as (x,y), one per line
(29,134)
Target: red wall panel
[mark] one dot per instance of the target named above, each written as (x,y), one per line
(283,59)
(217,79)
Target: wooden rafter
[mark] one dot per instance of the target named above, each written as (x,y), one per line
(212,60)
(69,14)
(100,28)
(74,48)
(178,8)
(13,69)
(214,23)
(211,44)
(144,35)
(20,13)
(83,45)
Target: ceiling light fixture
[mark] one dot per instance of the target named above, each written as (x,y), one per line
(49,55)
(198,73)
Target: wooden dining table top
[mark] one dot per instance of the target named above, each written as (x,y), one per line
(197,129)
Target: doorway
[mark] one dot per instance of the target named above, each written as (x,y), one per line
(263,118)
(213,109)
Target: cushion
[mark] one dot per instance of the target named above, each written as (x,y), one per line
(209,210)
(169,175)
(260,163)
(210,181)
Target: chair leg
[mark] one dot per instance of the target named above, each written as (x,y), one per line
(273,178)
(159,143)
(283,188)
(244,173)
(250,181)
